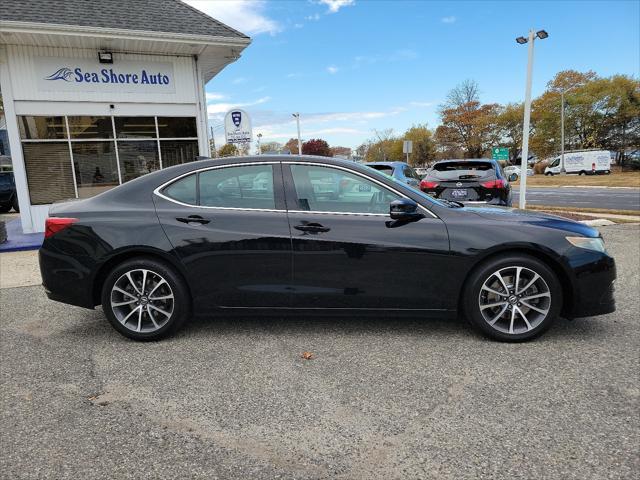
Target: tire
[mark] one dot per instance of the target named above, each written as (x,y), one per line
(582,172)
(15,205)
(132,310)
(5,208)
(481,305)
(549,174)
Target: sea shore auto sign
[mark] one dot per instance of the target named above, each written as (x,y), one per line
(237,127)
(83,75)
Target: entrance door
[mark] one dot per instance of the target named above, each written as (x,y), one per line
(229,227)
(347,253)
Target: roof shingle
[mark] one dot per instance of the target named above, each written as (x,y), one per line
(171,16)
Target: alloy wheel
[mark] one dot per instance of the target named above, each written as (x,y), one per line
(142,300)
(514,300)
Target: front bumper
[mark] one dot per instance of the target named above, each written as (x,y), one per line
(594,288)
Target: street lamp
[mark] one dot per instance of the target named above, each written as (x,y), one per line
(297,115)
(259,137)
(541,34)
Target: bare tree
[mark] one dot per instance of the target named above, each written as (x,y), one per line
(463,95)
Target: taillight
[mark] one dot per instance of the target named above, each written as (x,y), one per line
(426,184)
(499,183)
(54,225)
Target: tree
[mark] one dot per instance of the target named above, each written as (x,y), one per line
(471,127)
(270,147)
(228,150)
(463,95)
(316,146)
(424,148)
(509,124)
(292,146)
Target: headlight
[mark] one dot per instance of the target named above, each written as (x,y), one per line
(596,244)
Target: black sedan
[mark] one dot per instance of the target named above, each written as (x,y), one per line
(271,233)
(468,181)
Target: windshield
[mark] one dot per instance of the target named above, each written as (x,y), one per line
(388,169)
(462,165)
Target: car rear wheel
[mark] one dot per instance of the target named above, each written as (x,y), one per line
(5,208)
(512,299)
(145,299)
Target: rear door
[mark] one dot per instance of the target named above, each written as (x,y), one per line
(347,253)
(229,227)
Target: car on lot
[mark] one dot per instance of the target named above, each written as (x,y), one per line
(469,181)
(8,194)
(401,171)
(207,237)
(582,162)
(512,169)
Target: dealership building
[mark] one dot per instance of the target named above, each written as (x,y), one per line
(97,93)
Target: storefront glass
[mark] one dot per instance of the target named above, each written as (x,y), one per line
(99,152)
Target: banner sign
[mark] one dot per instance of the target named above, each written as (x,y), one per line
(83,75)
(237,127)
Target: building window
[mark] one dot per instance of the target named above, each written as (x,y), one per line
(49,173)
(175,152)
(99,152)
(95,167)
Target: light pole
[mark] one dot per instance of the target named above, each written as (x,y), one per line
(259,137)
(541,34)
(297,115)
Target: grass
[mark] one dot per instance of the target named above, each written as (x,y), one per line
(600,212)
(615,179)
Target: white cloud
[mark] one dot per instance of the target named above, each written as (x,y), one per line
(239,80)
(396,56)
(247,16)
(449,19)
(332,69)
(298,25)
(214,96)
(217,108)
(315,17)
(335,5)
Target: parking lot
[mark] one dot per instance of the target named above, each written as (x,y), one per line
(383,397)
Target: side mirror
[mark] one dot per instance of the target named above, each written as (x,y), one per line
(404,209)
(513,177)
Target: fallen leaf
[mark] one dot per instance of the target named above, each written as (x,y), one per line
(307,355)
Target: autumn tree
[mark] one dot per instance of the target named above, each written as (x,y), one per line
(270,147)
(316,146)
(509,124)
(424,148)
(340,152)
(228,150)
(292,146)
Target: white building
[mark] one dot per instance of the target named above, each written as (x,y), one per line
(99,92)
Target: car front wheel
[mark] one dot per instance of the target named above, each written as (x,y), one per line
(512,299)
(145,299)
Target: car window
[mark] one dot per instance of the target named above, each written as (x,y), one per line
(410,173)
(183,190)
(326,189)
(462,165)
(248,186)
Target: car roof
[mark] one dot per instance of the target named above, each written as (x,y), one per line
(390,164)
(458,160)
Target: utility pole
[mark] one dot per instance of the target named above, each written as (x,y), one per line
(259,137)
(527,112)
(297,115)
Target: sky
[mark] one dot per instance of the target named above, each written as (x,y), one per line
(351,67)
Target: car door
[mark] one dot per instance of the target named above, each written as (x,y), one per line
(347,253)
(228,225)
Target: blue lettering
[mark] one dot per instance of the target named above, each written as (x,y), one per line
(113,78)
(134,78)
(121,78)
(165,79)
(78,73)
(105,75)
(145,78)
(94,77)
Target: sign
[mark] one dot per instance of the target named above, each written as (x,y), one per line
(57,74)
(500,153)
(237,127)
(407,146)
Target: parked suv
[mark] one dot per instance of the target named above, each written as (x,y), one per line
(8,197)
(478,180)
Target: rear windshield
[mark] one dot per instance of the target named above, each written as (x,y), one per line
(451,166)
(5,179)
(388,169)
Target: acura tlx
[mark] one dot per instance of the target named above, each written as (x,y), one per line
(300,234)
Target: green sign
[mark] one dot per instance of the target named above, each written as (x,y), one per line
(500,153)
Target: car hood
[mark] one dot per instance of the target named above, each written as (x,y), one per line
(545,220)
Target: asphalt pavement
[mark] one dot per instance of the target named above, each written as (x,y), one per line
(581,197)
(381,398)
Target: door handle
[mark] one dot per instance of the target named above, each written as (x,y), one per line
(193,219)
(312,228)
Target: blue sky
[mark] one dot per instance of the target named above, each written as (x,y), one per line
(350,67)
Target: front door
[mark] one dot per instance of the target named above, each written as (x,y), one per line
(347,253)
(229,227)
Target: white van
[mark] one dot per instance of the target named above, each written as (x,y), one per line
(585,162)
